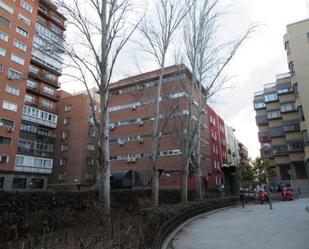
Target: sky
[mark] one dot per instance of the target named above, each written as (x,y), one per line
(258,61)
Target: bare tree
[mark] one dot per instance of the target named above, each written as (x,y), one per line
(159,32)
(103,28)
(208,59)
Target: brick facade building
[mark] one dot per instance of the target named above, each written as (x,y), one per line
(30,32)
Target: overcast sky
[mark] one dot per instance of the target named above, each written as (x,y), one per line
(258,62)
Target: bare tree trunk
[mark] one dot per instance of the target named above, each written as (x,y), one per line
(155,139)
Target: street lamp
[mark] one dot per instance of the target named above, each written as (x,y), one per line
(266,148)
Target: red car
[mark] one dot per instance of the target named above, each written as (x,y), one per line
(287,194)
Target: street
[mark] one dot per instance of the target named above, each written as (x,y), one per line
(252,227)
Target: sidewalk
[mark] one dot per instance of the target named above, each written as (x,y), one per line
(254,227)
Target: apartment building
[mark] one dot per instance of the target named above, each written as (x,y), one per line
(31,37)
(132,110)
(278,121)
(76,142)
(296,42)
(217,142)
(231,146)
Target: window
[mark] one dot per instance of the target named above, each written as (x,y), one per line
(64,147)
(308,37)
(5,141)
(6,7)
(18,44)
(4,36)
(292,69)
(295,89)
(260,105)
(18,59)
(14,75)
(270,97)
(37,183)
(61,176)
(89,161)
(273,114)
(26,6)
(287,48)
(19,183)
(91,133)
(63,161)
(24,19)
(3,158)
(22,32)
(287,107)
(65,134)
(10,106)
(48,90)
(43,132)
(33,69)
(6,123)
(29,98)
(284,90)
(1,68)
(2,51)
(90,147)
(5,21)
(68,108)
(89,176)
(32,84)
(67,121)
(28,128)
(47,103)
(12,90)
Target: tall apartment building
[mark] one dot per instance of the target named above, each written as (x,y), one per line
(296,43)
(279,125)
(76,142)
(217,142)
(283,110)
(132,110)
(31,36)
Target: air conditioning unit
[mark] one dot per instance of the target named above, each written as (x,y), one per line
(134,107)
(129,160)
(120,142)
(112,126)
(119,92)
(133,160)
(141,123)
(10,129)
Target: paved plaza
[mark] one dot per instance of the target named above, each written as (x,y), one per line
(252,227)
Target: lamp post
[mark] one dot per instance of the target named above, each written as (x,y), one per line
(266,148)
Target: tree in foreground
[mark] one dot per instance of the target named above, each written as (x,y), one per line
(208,58)
(158,29)
(102,28)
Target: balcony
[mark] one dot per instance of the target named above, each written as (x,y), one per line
(303,126)
(264,137)
(276,131)
(38,91)
(34,152)
(279,150)
(46,61)
(38,116)
(295,146)
(261,120)
(32,164)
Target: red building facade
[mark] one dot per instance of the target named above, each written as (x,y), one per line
(217,144)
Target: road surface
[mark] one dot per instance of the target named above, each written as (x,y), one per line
(254,227)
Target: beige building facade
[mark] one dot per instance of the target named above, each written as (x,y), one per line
(296,43)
